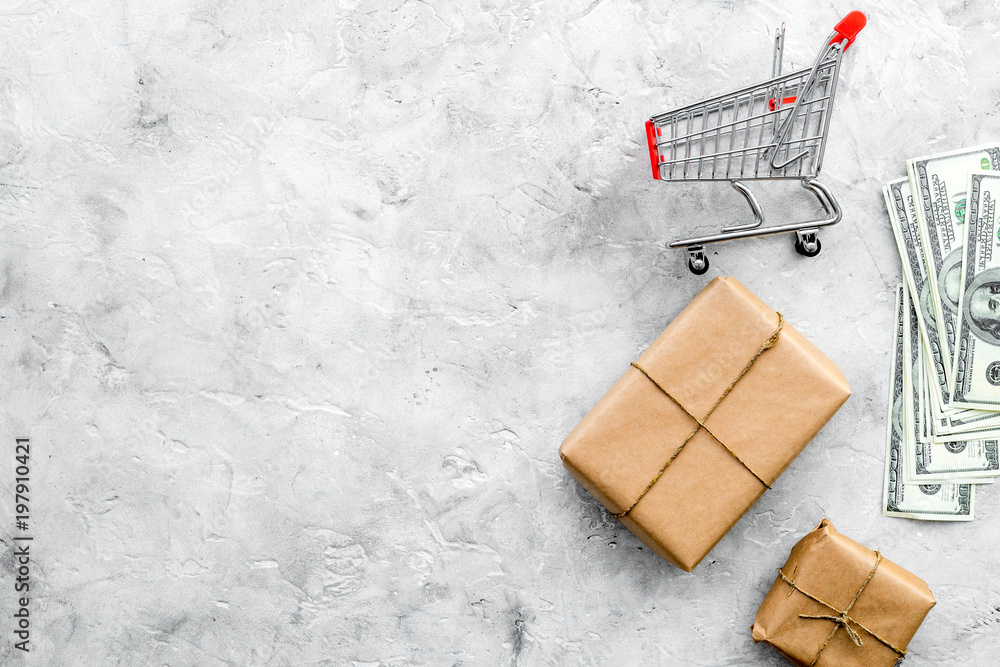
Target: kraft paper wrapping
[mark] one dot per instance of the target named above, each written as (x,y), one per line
(767,419)
(832,567)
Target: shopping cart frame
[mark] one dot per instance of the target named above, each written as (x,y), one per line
(789,114)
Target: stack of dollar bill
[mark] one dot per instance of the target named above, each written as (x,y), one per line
(944,398)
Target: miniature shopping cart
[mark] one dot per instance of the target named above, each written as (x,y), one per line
(775,129)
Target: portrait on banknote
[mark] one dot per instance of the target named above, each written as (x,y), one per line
(982,306)
(950,279)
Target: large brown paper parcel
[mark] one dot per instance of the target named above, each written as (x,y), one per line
(833,568)
(768,417)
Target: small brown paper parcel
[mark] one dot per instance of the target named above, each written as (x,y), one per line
(704,422)
(838,603)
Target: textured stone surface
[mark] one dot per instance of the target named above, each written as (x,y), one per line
(300,298)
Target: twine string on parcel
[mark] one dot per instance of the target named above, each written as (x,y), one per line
(766,345)
(842,620)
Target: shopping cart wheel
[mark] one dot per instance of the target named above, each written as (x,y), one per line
(807,244)
(697,260)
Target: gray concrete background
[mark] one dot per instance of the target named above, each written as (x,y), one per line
(299,300)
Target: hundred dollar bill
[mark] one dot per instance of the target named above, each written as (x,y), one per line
(973,461)
(955,421)
(975,427)
(939,185)
(967,421)
(936,502)
(963,436)
(902,220)
(963,425)
(977,362)
(924,419)
(970,421)
(902,216)
(917,394)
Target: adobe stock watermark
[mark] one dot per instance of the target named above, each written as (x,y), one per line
(22,544)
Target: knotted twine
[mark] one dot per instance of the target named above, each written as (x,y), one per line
(842,620)
(766,345)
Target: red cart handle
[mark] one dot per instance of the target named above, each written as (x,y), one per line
(848,28)
(652,132)
(772,103)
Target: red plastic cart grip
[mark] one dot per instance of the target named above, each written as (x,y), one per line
(849,27)
(772,105)
(654,152)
